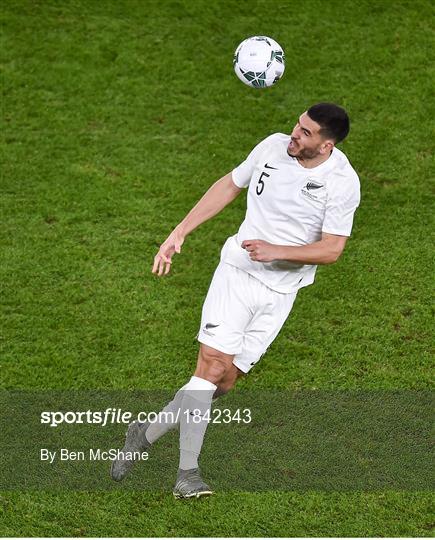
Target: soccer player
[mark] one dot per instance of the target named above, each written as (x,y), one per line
(302,195)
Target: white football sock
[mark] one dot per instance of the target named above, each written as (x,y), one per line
(168,420)
(195,405)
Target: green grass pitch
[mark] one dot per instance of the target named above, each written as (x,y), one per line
(116,117)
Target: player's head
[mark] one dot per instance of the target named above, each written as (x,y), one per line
(318,130)
(332,119)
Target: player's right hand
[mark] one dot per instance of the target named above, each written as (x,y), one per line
(163,259)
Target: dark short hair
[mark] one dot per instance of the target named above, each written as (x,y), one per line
(332,119)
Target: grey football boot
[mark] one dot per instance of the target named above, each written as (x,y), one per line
(135,441)
(190,485)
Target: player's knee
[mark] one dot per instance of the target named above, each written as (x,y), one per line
(212,364)
(214,369)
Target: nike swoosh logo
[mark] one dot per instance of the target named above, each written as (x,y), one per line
(266,166)
(209,325)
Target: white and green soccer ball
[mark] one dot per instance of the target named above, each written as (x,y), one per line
(259,61)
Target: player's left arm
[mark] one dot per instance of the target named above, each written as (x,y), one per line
(326,251)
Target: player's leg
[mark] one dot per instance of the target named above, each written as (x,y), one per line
(219,369)
(225,315)
(212,369)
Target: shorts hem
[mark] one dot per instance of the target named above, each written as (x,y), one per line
(217,346)
(242,366)
(245,363)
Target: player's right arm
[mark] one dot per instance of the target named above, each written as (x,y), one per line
(213,201)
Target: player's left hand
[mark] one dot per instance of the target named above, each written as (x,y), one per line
(260,251)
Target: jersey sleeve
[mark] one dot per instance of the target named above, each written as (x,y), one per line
(242,174)
(343,200)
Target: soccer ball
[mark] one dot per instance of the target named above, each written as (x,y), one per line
(259,61)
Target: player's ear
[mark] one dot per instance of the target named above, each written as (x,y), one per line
(327,146)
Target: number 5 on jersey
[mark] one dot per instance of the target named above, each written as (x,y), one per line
(260,184)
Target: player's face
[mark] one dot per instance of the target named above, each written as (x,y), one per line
(306,141)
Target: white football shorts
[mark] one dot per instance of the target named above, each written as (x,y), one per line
(241,315)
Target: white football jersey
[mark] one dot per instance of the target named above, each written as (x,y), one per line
(288,204)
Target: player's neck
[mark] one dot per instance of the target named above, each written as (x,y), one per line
(313,162)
